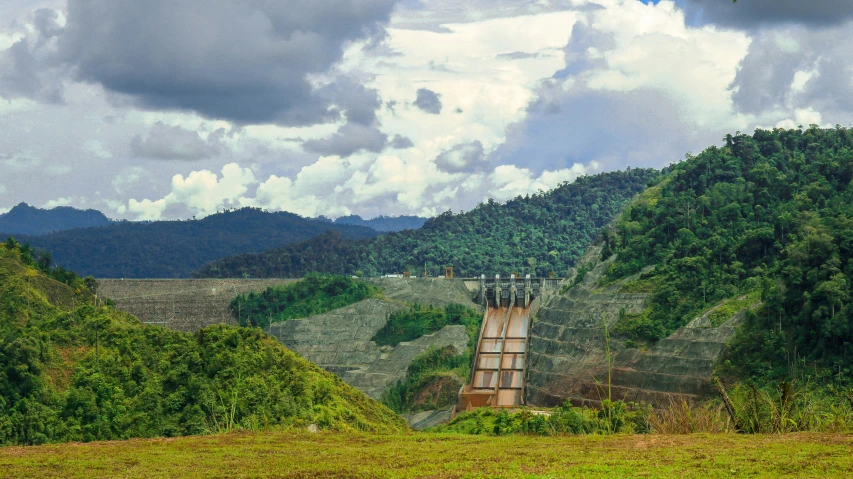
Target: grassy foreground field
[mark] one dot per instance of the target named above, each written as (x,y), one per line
(324,455)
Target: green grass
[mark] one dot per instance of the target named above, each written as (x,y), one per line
(326,455)
(733,306)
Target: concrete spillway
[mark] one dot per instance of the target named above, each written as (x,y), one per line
(497,378)
(498,372)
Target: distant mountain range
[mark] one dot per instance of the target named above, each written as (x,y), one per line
(539,234)
(24,219)
(380,223)
(166,249)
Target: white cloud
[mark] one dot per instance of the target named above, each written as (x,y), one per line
(61,201)
(533,93)
(654,49)
(801,79)
(510,181)
(202,192)
(127,178)
(803,117)
(97,148)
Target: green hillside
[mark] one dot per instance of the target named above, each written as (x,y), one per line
(767,216)
(316,294)
(72,369)
(537,234)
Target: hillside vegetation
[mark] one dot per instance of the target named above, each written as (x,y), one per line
(537,234)
(767,217)
(316,294)
(173,249)
(434,377)
(72,369)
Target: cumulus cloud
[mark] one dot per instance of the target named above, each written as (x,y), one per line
(62,201)
(428,101)
(618,102)
(30,68)
(540,91)
(313,191)
(510,181)
(202,192)
(793,68)
(753,13)
(248,62)
(400,142)
(462,158)
(167,142)
(349,139)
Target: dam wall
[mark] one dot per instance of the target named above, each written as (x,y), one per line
(181,304)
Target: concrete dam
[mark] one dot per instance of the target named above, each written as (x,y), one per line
(541,342)
(181,304)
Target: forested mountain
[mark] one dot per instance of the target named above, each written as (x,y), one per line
(24,219)
(768,216)
(381,223)
(173,249)
(536,234)
(72,369)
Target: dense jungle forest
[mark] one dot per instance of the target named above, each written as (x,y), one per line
(768,216)
(538,234)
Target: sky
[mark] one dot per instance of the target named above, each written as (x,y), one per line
(171,110)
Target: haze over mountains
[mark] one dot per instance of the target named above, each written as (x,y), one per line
(24,219)
(381,223)
(90,243)
(173,249)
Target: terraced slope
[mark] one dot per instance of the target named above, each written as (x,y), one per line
(568,353)
(340,341)
(181,304)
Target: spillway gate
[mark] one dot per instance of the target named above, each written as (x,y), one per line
(500,362)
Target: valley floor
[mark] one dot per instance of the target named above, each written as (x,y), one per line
(424,455)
